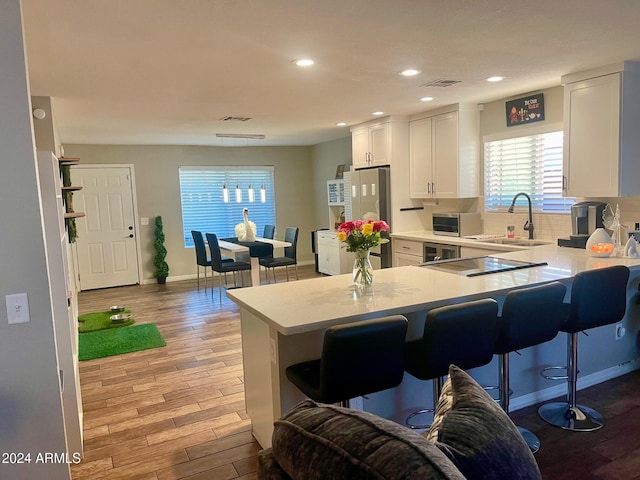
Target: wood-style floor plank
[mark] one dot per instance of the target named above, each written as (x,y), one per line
(178,412)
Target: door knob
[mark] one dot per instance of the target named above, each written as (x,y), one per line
(130,227)
(131,235)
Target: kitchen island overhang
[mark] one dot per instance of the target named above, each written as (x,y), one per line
(284,324)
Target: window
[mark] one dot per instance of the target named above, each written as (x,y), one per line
(530,164)
(203,205)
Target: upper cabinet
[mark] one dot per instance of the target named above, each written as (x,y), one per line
(375,143)
(443,153)
(601,142)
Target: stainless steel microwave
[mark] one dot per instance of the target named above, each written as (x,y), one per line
(456,224)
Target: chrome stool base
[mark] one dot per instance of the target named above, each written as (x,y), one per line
(576,419)
(532,440)
(413,426)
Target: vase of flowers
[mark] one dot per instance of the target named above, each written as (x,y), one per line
(360,237)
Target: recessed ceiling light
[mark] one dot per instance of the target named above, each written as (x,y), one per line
(409,72)
(377,114)
(495,79)
(426,99)
(341,124)
(304,62)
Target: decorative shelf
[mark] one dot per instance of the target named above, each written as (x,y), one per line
(68,161)
(72,188)
(74,215)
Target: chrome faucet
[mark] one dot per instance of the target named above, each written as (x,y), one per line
(529,225)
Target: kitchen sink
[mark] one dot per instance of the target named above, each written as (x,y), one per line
(522,242)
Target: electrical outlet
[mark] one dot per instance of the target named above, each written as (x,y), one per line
(620,331)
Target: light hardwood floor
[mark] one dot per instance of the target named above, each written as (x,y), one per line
(177,412)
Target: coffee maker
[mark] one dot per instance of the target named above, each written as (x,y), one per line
(585,218)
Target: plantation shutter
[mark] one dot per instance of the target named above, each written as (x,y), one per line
(203,206)
(530,164)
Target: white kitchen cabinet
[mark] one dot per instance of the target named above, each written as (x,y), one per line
(601,142)
(333,259)
(407,252)
(443,153)
(375,143)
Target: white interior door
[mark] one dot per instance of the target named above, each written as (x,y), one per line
(106,244)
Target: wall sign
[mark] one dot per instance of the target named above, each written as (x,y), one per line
(525,110)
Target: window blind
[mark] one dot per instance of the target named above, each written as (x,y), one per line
(530,164)
(203,206)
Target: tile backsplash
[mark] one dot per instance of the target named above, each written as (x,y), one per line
(547,226)
(552,226)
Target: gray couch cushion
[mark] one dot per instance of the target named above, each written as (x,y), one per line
(316,441)
(476,434)
(268,468)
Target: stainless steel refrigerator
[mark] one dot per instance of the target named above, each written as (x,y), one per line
(371,200)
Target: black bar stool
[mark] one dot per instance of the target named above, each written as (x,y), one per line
(598,297)
(463,334)
(530,316)
(357,359)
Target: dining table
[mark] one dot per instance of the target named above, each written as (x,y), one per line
(233,247)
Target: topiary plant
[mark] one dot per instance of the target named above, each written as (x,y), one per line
(162,268)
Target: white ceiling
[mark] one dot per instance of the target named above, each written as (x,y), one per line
(166,71)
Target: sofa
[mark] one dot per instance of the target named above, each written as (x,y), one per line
(471,438)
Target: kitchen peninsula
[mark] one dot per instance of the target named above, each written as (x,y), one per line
(284,324)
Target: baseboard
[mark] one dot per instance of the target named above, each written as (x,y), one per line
(516,403)
(193,276)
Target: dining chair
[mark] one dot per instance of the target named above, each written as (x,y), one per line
(217,265)
(269,231)
(202,259)
(290,255)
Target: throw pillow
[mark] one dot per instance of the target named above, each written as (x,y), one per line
(475,433)
(324,442)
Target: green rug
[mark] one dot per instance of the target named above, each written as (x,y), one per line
(105,343)
(90,322)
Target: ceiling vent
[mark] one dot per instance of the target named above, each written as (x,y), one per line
(441,83)
(231,118)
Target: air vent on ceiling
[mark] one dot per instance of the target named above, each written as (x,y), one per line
(441,83)
(231,118)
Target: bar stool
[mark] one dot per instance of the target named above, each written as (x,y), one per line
(357,359)
(463,334)
(598,297)
(530,316)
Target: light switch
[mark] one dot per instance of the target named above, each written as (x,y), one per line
(17,308)
(144,220)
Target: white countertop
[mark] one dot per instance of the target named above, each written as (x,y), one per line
(318,303)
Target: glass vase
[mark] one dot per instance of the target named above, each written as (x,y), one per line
(362,269)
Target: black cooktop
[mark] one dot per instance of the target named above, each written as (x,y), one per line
(475,266)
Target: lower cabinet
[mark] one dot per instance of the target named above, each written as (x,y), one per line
(407,252)
(333,259)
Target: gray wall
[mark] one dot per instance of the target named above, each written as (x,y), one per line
(31,419)
(158,190)
(326,157)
